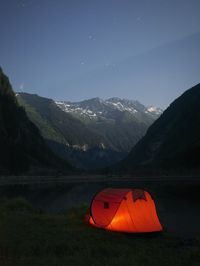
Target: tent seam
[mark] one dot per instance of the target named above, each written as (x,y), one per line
(117,210)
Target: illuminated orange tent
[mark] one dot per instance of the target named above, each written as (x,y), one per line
(124,210)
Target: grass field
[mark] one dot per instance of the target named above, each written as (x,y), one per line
(32,237)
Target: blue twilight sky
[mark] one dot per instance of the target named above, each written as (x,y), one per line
(147,50)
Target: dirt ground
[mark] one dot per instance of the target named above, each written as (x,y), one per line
(177,202)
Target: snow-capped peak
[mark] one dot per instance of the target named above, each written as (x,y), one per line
(154,109)
(97,108)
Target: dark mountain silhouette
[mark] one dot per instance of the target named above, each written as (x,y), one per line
(172,143)
(22,148)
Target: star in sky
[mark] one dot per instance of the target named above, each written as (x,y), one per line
(139,19)
(110,65)
(22,4)
(91,37)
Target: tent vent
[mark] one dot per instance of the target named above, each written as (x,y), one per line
(138,194)
(106,205)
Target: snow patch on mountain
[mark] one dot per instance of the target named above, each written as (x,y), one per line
(74,108)
(155,110)
(121,107)
(96,107)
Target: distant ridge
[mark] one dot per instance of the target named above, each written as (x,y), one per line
(97,107)
(120,122)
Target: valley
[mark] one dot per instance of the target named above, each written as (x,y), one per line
(89,134)
(100,133)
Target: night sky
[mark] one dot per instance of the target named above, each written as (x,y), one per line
(74,50)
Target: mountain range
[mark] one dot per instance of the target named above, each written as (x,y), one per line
(121,117)
(91,133)
(40,135)
(172,143)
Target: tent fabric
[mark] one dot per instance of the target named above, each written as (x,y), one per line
(124,210)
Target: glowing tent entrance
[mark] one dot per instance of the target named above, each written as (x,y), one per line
(124,210)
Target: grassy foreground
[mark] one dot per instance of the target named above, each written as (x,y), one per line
(30,237)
